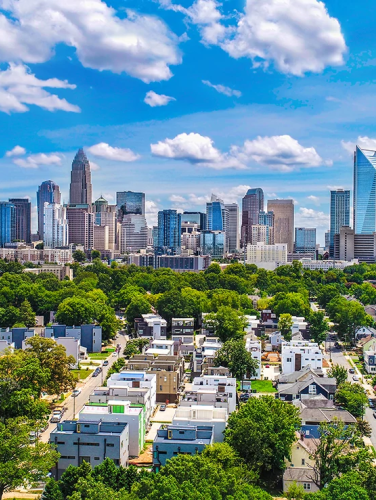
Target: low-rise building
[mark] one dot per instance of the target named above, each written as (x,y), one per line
(16,336)
(207,328)
(182,263)
(326,265)
(73,348)
(254,347)
(160,347)
(172,440)
(203,356)
(305,384)
(90,336)
(90,441)
(4,345)
(212,390)
(182,333)
(298,354)
(151,326)
(60,271)
(300,467)
(203,416)
(267,256)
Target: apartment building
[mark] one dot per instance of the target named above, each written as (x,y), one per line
(203,416)
(60,271)
(182,332)
(151,326)
(90,336)
(254,347)
(212,390)
(204,355)
(299,354)
(161,347)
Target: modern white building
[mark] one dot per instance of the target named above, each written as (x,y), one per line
(55,226)
(325,265)
(252,323)
(205,353)
(254,347)
(161,347)
(299,354)
(73,348)
(59,270)
(203,415)
(266,256)
(220,384)
(151,326)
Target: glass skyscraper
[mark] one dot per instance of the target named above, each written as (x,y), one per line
(196,218)
(48,192)
(339,214)
(80,186)
(252,205)
(305,239)
(169,232)
(217,215)
(23,219)
(7,223)
(213,243)
(128,202)
(364,191)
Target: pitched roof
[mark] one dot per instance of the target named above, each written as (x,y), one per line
(299,375)
(328,384)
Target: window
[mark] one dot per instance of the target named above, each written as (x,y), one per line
(160,387)
(60,442)
(181,432)
(67,457)
(306,486)
(110,445)
(312,389)
(303,461)
(165,379)
(288,360)
(86,444)
(96,458)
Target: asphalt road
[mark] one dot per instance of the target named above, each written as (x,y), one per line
(74,405)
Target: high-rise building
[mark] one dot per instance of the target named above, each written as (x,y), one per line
(305,239)
(101,239)
(283,222)
(339,214)
(48,192)
(134,233)
(128,202)
(261,233)
(80,186)
(105,215)
(233,227)
(169,232)
(327,241)
(213,243)
(55,226)
(196,218)
(81,225)
(22,219)
(252,205)
(364,191)
(216,215)
(266,218)
(7,222)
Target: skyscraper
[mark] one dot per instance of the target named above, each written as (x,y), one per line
(105,215)
(252,205)
(81,225)
(55,226)
(216,214)
(48,192)
(22,219)
(266,218)
(233,227)
(134,233)
(195,217)
(128,202)
(7,222)
(364,191)
(339,214)
(80,186)
(169,232)
(213,243)
(283,222)
(305,239)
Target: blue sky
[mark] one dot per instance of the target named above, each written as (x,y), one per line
(242,93)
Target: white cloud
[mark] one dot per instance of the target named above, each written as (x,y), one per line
(16,151)
(280,152)
(151,212)
(196,149)
(104,150)
(272,195)
(139,45)
(34,161)
(94,166)
(307,217)
(232,195)
(18,87)
(154,99)
(363,142)
(222,89)
(314,199)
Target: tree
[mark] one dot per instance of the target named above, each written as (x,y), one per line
(79,256)
(295,304)
(353,398)
(364,427)
(326,294)
(284,326)
(349,486)
(318,326)
(135,346)
(138,306)
(262,432)
(349,316)
(27,315)
(339,373)
(75,311)
(95,254)
(21,463)
(295,492)
(227,323)
(234,355)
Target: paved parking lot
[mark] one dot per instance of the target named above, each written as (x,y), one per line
(164,416)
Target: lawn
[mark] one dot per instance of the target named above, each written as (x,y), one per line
(99,355)
(262,386)
(82,374)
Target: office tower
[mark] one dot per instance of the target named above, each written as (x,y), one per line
(305,239)
(266,218)
(81,225)
(101,239)
(22,219)
(190,236)
(100,205)
(48,192)
(233,227)
(134,233)
(216,215)
(252,205)
(327,241)
(55,226)
(339,214)
(283,222)
(154,233)
(213,243)
(7,223)
(196,218)
(80,186)
(105,215)
(364,191)
(261,233)
(169,232)
(128,202)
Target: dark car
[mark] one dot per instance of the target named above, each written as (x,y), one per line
(244,397)
(351,370)
(374,414)
(95,374)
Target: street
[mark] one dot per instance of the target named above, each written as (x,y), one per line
(74,405)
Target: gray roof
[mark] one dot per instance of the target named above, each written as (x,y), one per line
(298,474)
(318,415)
(299,375)
(329,384)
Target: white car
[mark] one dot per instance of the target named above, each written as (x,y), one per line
(76,392)
(114,354)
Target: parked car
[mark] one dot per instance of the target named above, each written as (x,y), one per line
(355,378)
(371,403)
(95,374)
(374,414)
(105,362)
(351,370)
(163,407)
(56,416)
(244,397)
(76,392)
(114,353)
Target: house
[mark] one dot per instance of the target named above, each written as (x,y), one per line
(172,440)
(300,326)
(122,412)
(203,416)
(365,331)
(182,333)
(370,360)
(218,391)
(299,468)
(254,347)
(253,324)
(89,441)
(90,336)
(206,329)
(180,326)
(308,387)
(298,354)
(276,339)
(73,348)
(151,326)
(163,347)
(203,356)
(4,345)
(16,336)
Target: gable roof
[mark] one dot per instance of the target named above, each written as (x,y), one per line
(326,383)
(299,375)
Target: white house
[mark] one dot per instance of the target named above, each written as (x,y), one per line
(73,348)
(203,415)
(254,347)
(252,323)
(161,347)
(298,354)
(221,384)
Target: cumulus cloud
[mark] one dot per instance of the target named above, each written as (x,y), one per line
(314,199)
(34,161)
(16,151)
(222,89)
(139,45)
(280,152)
(196,149)
(153,99)
(151,212)
(104,150)
(362,141)
(94,166)
(18,87)
(192,200)
(308,217)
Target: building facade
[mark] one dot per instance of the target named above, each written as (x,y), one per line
(55,226)
(364,191)
(261,233)
(48,192)
(283,222)
(216,215)
(298,354)
(198,218)
(305,239)
(81,225)
(213,243)
(266,256)
(128,202)
(169,232)
(80,186)
(233,227)
(7,223)
(252,205)
(22,214)
(134,233)
(339,214)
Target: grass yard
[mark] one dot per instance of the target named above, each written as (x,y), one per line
(82,374)
(263,386)
(90,363)
(99,355)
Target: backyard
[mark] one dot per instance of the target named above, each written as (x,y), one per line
(82,374)
(262,386)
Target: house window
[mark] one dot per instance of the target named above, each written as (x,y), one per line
(312,389)
(165,379)
(160,387)
(110,445)
(303,461)
(288,360)
(67,457)
(306,486)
